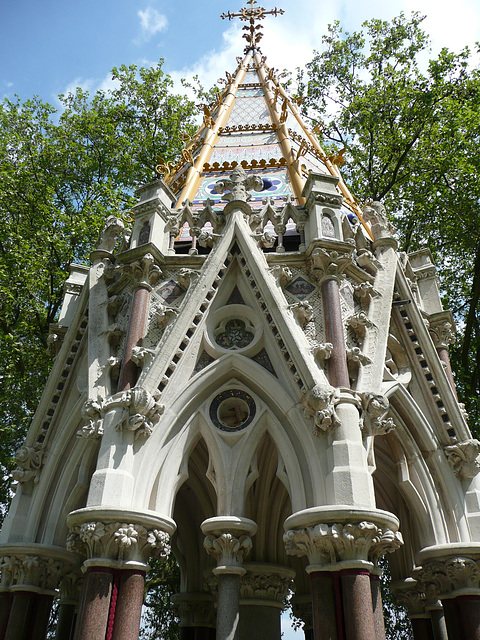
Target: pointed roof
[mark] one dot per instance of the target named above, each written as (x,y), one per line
(254,122)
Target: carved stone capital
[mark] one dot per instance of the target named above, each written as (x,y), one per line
(464,458)
(325,544)
(266,582)
(442,332)
(121,541)
(439,577)
(194,609)
(319,403)
(70,586)
(29,461)
(144,272)
(329,263)
(227,549)
(409,594)
(30,569)
(141,411)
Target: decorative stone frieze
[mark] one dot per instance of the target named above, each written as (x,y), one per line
(319,404)
(118,541)
(227,549)
(464,458)
(325,544)
(141,412)
(374,421)
(29,461)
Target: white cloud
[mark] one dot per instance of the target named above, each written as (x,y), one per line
(151,22)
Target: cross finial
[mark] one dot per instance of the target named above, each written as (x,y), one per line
(252,14)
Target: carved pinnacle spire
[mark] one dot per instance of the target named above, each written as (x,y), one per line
(252,14)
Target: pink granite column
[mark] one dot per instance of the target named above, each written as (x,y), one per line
(337,364)
(357,605)
(326,605)
(5,607)
(21,613)
(95,604)
(41,616)
(129,604)
(136,328)
(422,628)
(462,617)
(66,622)
(377,607)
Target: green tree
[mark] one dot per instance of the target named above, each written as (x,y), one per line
(410,129)
(62,172)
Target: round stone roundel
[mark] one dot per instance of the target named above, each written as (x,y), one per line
(232,410)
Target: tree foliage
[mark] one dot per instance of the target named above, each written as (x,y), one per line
(62,171)
(410,129)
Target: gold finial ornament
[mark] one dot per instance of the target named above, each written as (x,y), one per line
(252,14)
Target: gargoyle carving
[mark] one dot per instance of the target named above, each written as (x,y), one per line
(374,421)
(303,311)
(319,404)
(463,457)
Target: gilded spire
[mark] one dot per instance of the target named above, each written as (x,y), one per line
(251,15)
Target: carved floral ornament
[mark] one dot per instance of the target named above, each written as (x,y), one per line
(32,570)
(329,263)
(331,543)
(259,586)
(227,549)
(141,412)
(437,578)
(118,541)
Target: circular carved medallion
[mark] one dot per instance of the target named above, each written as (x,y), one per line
(232,410)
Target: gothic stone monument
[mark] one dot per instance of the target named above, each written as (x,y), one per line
(255,380)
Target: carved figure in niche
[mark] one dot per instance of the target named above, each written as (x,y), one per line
(144,235)
(328,230)
(233,412)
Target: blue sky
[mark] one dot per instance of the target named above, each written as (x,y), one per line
(50,46)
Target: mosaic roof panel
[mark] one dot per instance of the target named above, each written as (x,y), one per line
(250,77)
(246,139)
(238,154)
(249,92)
(249,111)
(280,186)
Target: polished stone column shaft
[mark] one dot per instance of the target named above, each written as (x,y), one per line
(377,607)
(128,610)
(326,606)
(357,605)
(228,606)
(337,363)
(95,604)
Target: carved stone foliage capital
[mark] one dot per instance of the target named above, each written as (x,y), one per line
(29,461)
(71,585)
(331,543)
(464,458)
(144,272)
(141,412)
(227,549)
(319,403)
(410,596)
(30,570)
(374,421)
(264,587)
(330,263)
(438,578)
(442,333)
(118,541)
(282,273)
